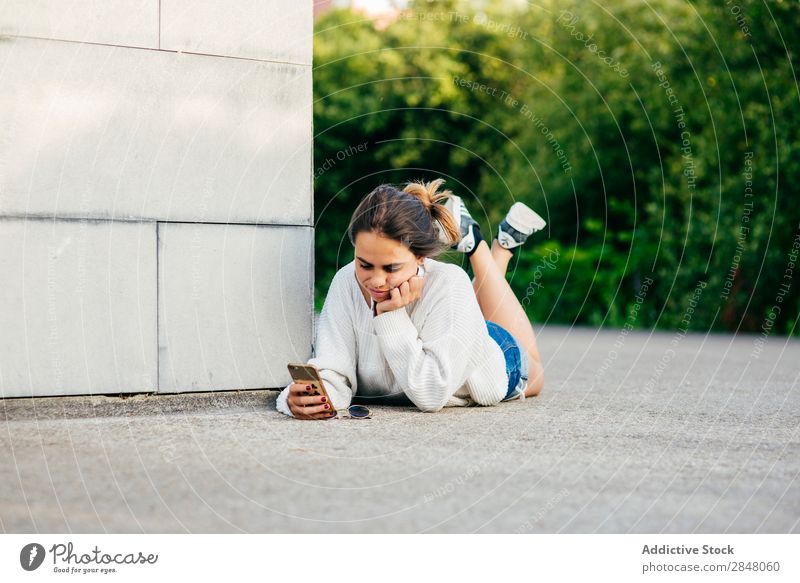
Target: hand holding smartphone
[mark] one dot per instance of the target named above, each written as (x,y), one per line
(308,398)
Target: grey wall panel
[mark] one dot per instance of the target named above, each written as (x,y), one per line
(272,30)
(108,132)
(235,305)
(77,307)
(116,22)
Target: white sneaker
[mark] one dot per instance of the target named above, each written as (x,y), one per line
(466,224)
(520,223)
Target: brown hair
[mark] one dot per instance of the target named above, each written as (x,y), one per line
(407,216)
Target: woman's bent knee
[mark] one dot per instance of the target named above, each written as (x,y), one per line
(535,379)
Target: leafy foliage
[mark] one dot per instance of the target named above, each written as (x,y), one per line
(632,127)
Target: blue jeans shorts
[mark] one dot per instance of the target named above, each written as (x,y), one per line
(516,361)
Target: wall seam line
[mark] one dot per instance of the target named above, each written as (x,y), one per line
(51,218)
(158,49)
(158,314)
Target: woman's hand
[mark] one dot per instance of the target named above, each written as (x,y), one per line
(402,295)
(304,405)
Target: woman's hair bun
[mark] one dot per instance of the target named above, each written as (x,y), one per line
(428,193)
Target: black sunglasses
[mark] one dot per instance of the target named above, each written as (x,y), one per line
(353,412)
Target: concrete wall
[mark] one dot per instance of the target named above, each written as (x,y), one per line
(155,195)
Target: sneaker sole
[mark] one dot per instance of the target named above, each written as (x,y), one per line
(524,219)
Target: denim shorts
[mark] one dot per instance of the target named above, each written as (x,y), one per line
(516,361)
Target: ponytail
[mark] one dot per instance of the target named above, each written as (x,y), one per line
(427,193)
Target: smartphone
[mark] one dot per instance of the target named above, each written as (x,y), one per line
(308,374)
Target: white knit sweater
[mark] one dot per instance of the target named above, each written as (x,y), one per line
(437,350)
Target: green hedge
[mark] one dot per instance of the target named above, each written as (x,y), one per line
(656,139)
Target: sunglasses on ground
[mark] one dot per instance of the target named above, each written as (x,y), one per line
(353,412)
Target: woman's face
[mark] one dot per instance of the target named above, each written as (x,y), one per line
(383,264)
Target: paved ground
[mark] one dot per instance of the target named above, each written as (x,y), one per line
(636,433)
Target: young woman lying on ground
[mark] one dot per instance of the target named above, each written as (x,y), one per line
(437,337)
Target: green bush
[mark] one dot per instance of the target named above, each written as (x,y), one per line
(514,103)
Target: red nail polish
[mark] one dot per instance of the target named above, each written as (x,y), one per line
(327,406)
(324,399)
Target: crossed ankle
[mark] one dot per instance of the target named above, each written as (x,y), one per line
(496,245)
(476,233)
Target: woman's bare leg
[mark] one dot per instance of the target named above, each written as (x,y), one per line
(499,305)
(501,257)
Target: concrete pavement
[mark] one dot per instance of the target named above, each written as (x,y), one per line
(633,433)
